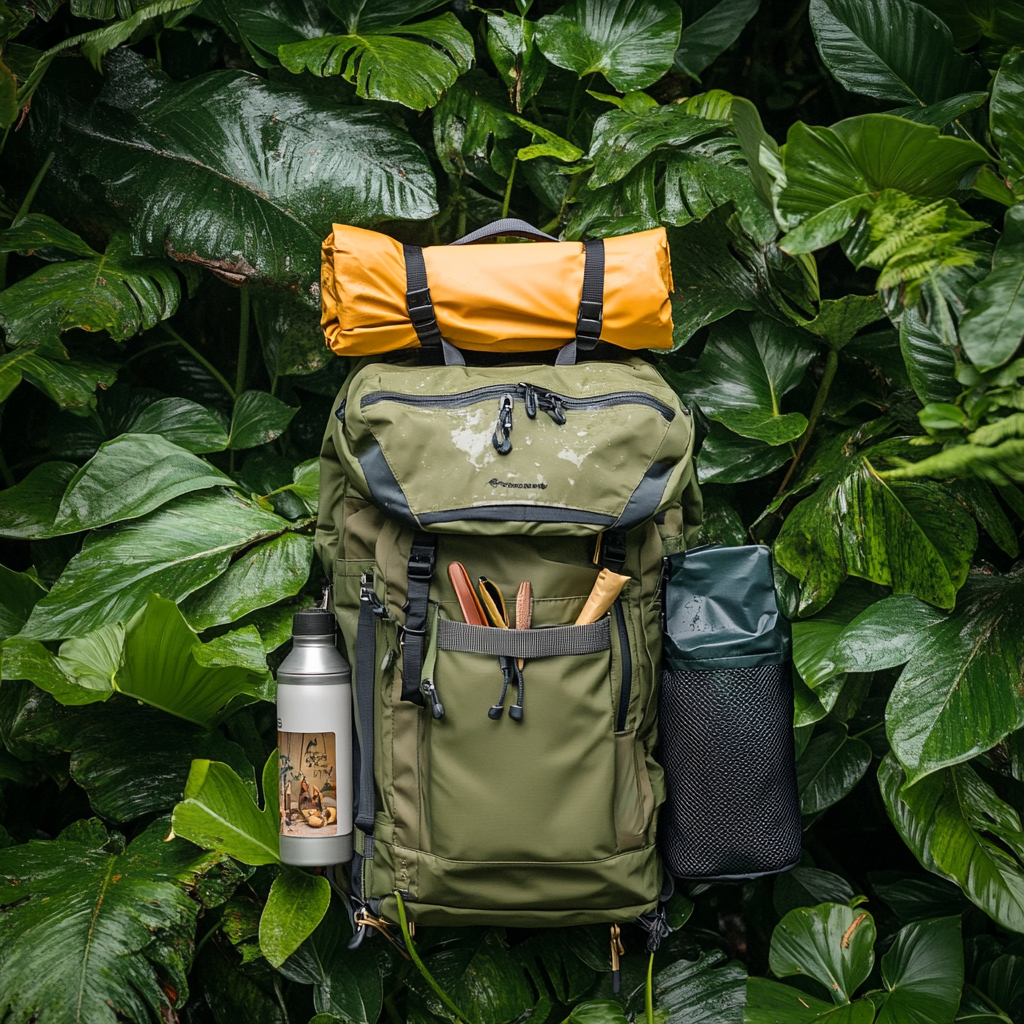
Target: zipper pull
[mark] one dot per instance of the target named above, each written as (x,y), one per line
(552,405)
(502,444)
(497,710)
(516,711)
(429,690)
(617,950)
(530,400)
(368,594)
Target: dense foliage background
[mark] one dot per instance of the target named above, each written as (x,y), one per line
(849,309)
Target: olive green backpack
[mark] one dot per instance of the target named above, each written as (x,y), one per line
(521,472)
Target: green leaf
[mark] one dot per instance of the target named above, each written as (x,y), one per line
(721,523)
(831,943)
(166,665)
(290,335)
(71,384)
(744,372)
(359,15)
(512,47)
(19,592)
(173,552)
(956,827)
(100,922)
(769,1002)
(597,1011)
(709,990)
(958,695)
(296,905)
(727,458)
(838,320)
(184,423)
(814,639)
(993,19)
(631,42)
(943,112)
(624,138)
(1000,464)
(263,576)
(551,145)
(218,813)
(117,292)
(159,150)
(628,205)
(128,477)
(923,973)
(385,64)
(347,981)
(714,29)
(807,887)
(892,50)
(909,535)
(38,235)
(831,174)
(929,356)
(81,673)
(258,418)
(9,106)
(992,329)
(828,769)
(1004,118)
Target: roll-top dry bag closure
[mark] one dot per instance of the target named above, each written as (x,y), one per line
(498,298)
(529,449)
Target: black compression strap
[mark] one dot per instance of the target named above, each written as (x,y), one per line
(366,656)
(417,298)
(421,571)
(591,312)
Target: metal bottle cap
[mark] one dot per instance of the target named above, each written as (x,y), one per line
(313,622)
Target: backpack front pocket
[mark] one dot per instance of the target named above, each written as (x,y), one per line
(497,788)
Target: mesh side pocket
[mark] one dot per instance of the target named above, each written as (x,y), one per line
(727,750)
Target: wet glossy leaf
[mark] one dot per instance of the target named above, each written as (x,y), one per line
(708,30)
(828,769)
(807,887)
(831,943)
(170,157)
(512,46)
(347,981)
(709,990)
(218,813)
(743,374)
(258,418)
(96,919)
(1004,117)
(408,64)
(19,593)
(555,966)
(173,552)
(631,42)
(597,1011)
(184,423)
(296,905)
(115,292)
(838,320)
(728,458)
(831,174)
(958,695)
(70,383)
(892,50)
(290,335)
(956,826)
(910,535)
(923,973)
(770,1002)
(928,356)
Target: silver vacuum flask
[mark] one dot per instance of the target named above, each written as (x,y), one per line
(314,722)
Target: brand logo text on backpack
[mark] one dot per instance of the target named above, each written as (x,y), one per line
(495,482)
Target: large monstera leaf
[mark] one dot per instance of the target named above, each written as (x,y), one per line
(84,926)
(177,160)
(631,42)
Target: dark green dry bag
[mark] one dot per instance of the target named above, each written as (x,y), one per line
(726,718)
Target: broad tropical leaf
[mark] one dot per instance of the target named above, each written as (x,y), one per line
(1004,118)
(71,383)
(923,973)
(956,826)
(258,418)
(743,374)
(709,27)
(295,906)
(390,62)
(828,769)
(770,1002)
(807,887)
(19,593)
(513,48)
(116,292)
(832,943)
(100,920)
(218,813)
(893,50)
(29,508)
(184,423)
(831,174)
(838,320)
(709,990)
(290,336)
(173,552)
(360,15)
(929,353)
(631,42)
(728,458)
(169,155)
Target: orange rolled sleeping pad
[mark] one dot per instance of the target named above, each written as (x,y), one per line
(497,298)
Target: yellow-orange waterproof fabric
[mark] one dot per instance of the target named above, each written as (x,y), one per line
(501,298)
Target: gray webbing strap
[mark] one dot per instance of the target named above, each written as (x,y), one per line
(366,656)
(524,643)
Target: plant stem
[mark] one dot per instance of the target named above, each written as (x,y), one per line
(570,121)
(243,342)
(508,188)
(280,999)
(649,991)
(831,365)
(26,205)
(199,357)
(428,977)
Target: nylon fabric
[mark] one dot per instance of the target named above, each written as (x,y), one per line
(505,298)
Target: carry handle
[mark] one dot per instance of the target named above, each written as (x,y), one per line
(506,226)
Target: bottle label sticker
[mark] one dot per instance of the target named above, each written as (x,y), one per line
(308,796)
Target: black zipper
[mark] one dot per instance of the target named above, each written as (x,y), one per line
(627,666)
(528,393)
